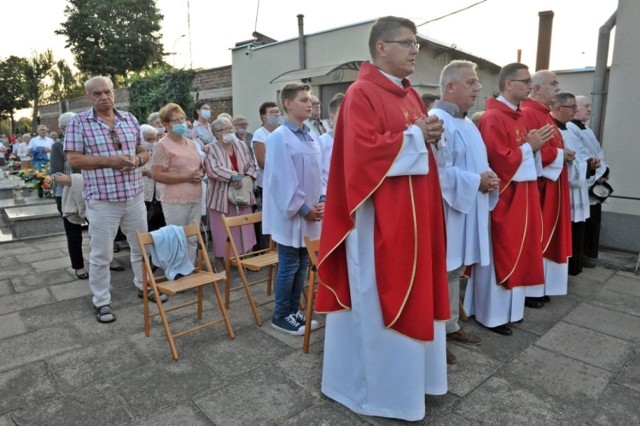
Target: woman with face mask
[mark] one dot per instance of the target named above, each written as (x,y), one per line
(201,129)
(177,167)
(227,161)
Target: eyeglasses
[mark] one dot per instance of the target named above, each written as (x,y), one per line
(115,139)
(241,124)
(409,44)
(225,130)
(526,81)
(573,107)
(273,113)
(178,120)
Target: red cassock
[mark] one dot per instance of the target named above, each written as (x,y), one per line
(516,221)
(409,230)
(554,195)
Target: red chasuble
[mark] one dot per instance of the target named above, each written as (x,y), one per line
(516,222)
(409,239)
(554,195)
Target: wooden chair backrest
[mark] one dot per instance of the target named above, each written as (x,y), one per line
(312,247)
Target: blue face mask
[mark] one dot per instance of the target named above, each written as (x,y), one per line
(179,129)
(273,120)
(205,113)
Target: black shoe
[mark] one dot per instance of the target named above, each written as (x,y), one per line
(533,302)
(545,299)
(501,329)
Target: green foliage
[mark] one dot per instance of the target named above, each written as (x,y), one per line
(64,83)
(113,37)
(149,93)
(12,82)
(37,68)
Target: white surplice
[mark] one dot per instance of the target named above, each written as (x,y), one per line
(368,368)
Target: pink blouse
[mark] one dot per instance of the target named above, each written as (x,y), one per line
(178,158)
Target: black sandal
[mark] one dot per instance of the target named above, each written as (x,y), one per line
(104,314)
(82,276)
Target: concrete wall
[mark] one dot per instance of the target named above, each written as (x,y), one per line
(621,227)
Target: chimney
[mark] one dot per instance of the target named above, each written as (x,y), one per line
(301,49)
(544,39)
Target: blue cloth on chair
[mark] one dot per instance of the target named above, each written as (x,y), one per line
(169,251)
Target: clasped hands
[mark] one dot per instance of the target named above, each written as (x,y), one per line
(316,213)
(125,162)
(432,128)
(489,181)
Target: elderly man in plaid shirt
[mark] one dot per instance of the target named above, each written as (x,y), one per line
(105,143)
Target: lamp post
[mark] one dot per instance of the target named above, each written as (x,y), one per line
(174,49)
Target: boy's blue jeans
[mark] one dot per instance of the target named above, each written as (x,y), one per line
(292,272)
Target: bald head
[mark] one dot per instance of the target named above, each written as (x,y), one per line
(583,113)
(545,87)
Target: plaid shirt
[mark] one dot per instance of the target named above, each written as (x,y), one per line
(89,134)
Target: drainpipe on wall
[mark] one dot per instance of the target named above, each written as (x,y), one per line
(545,25)
(600,77)
(301,48)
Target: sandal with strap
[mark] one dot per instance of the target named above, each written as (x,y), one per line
(104,314)
(152,297)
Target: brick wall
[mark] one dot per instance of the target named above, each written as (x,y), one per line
(212,85)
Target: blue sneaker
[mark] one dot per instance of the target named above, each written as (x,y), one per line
(288,324)
(302,319)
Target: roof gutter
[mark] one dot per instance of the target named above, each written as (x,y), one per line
(600,77)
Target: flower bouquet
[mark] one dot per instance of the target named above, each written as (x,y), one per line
(13,163)
(39,178)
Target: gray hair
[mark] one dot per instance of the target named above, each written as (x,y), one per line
(238,118)
(64,118)
(89,83)
(153,117)
(451,72)
(219,122)
(146,129)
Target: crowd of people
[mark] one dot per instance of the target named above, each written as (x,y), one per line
(407,196)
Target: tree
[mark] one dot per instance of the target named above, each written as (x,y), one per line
(151,92)
(64,83)
(113,38)
(36,69)
(12,81)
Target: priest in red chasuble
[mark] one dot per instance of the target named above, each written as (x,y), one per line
(553,185)
(382,260)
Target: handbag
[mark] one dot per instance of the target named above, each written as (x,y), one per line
(241,197)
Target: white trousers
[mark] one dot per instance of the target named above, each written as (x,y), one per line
(181,215)
(104,219)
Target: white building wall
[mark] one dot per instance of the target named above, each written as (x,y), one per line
(620,138)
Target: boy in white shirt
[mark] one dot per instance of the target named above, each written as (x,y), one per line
(291,204)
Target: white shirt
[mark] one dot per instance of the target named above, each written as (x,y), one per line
(590,144)
(292,178)
(578,181)
(261,135)
(46,142)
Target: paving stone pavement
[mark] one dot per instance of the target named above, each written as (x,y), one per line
(574,362)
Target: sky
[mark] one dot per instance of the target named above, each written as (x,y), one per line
(493,30)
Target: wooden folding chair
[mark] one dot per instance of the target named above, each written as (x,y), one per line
(312,248)
(200,277)
(253,261)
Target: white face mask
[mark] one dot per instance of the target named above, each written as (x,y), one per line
(229,137)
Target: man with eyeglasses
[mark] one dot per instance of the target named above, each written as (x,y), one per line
(516,224)
(553,185)
(317,126)
(270,117)
(582,174)
(105,144)
(382,261)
